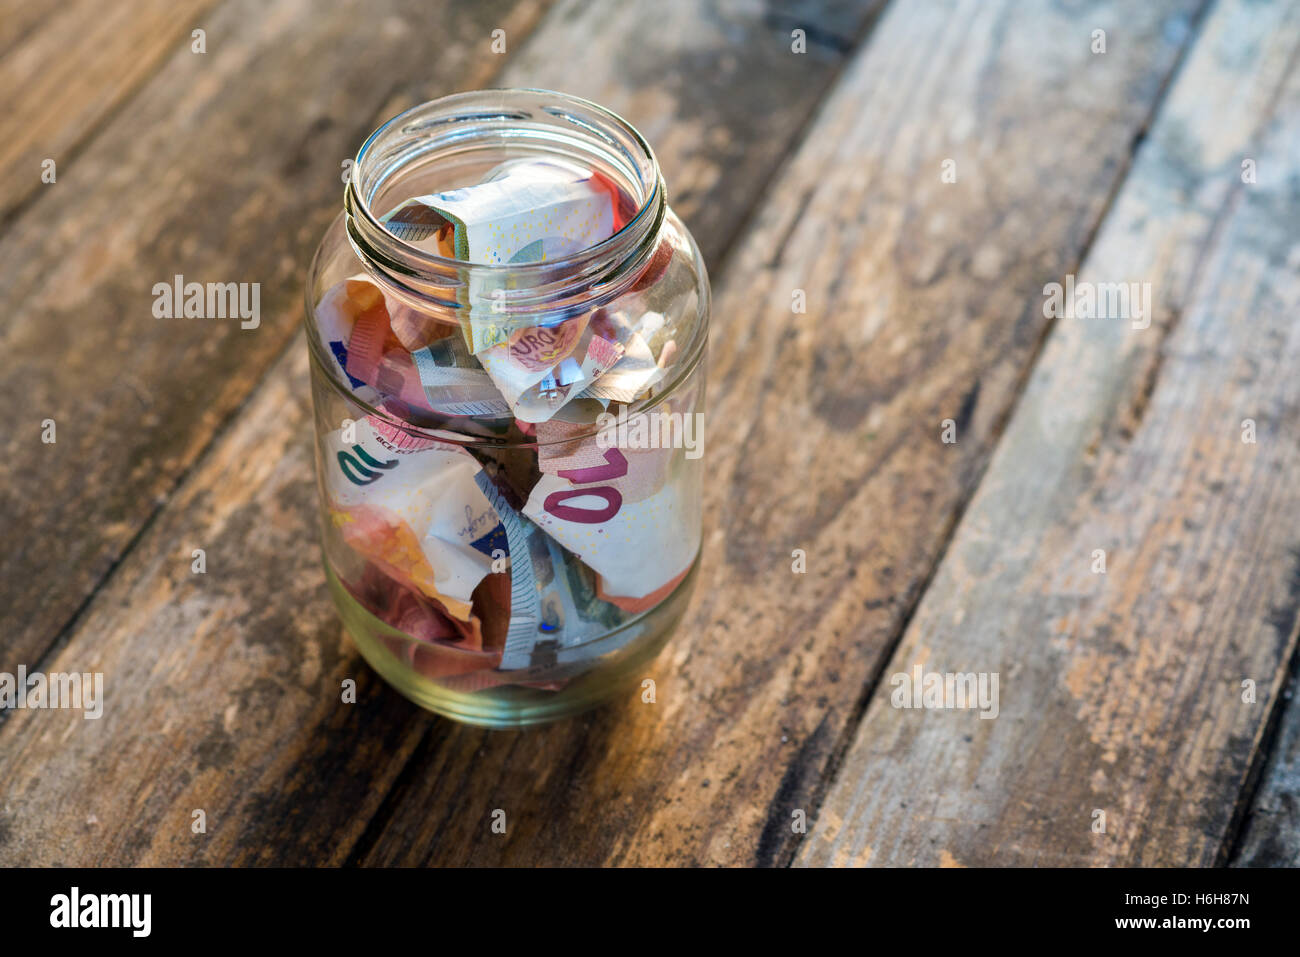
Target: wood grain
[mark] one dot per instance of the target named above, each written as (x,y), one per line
(922,304)
(222,691)
(1270,835)
(225,167)
(21,18)
(65,68)
(225,688)
(1122,692)
(714,88)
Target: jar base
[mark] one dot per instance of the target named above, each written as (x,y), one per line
(632,647)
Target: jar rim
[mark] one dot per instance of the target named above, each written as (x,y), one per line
(376,238)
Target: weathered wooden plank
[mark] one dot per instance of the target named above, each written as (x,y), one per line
(1121,692)
(922,304)
(226,167)
(1270,835)
(66,67)
(227,685)
(19,19)
(222,692)
(715,88)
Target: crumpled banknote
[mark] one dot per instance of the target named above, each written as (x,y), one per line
(624,514)
(522,548)
(412,507)
(525,211)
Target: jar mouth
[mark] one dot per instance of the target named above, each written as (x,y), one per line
(437,124)
(464,132)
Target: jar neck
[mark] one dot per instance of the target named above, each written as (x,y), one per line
(448,142)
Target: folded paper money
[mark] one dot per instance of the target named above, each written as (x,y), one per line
(411,506)
(620,512)
(336,317)
(521,557)
(525,211)
(537,385)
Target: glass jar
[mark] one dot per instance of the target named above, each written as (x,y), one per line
(507,328)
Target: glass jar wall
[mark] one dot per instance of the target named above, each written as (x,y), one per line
(507,327)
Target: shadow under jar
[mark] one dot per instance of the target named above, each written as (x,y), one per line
(508,430)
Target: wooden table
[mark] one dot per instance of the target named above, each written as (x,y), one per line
(955,465)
